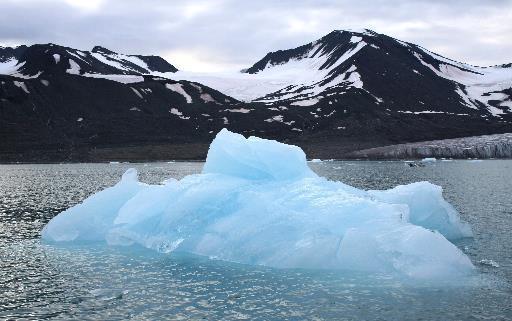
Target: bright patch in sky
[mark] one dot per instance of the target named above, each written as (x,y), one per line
(196,61)
(229,35)
(86,5)
(192,10)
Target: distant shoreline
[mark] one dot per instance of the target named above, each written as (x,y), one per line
(481,147)
(497,146)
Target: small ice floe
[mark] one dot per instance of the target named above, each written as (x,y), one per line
(428,160)
(316,160)
(488,262)
(107,294)
(114,163)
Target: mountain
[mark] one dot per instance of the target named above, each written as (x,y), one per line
(386,73)
(348,91)
(30,62)
(58,103)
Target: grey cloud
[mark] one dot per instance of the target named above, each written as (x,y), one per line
(234,33)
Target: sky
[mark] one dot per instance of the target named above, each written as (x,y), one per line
(226,35)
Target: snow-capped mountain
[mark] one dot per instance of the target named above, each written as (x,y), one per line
(364,67)
(391,73)
(347,91)
(36,60)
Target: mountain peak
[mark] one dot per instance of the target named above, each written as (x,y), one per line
(352,32)
(103,50)
(363,31)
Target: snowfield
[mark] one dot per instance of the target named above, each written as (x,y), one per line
(481,84)
(335,65)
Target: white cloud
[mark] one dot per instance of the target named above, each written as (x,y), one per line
(230,34)
(87,5)
(193,10)
(199,60)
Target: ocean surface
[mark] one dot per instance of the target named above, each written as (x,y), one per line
(95,281)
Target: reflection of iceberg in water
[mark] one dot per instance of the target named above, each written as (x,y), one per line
(258,202)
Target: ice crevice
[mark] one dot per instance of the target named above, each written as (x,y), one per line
(256,201)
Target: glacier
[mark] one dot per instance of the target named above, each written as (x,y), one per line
(256,201)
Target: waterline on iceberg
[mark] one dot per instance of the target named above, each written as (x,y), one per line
(257,202)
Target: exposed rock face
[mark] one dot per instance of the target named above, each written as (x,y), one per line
(365,68)
(486,146)
(348,91)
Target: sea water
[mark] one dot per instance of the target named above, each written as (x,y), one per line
(98,281)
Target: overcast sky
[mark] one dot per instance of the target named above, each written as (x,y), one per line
(217,35)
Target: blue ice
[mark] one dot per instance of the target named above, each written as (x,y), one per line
(257,202)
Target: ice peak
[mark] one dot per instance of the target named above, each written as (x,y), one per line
(131,175)
(255,158)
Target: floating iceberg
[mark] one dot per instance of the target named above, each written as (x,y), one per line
(257,202)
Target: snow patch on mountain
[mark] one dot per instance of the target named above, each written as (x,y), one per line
(355,39)
(109,61)
(308,76)
(74,68)
(12,66)
(178,88)
(507,104)
(8,67)
(124,79)
(301,77)
(305,103)
(78,55)
(496,112)
(21,84)
(239,110)
(178,113)
(137,92)
(241,86)
(481,84)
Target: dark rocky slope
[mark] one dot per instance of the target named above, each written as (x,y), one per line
(356,90)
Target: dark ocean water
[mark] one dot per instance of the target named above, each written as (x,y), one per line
(41,281)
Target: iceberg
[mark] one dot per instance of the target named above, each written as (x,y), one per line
(257,202)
